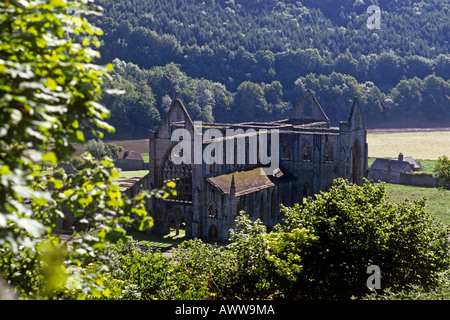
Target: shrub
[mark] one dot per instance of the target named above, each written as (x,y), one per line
(442,171)
(267,264)
(139,274)
(97,149)
(357,226)
(212,266)
(113,149)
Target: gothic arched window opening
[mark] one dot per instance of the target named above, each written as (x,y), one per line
(306,151)
(212,211)
(181,174)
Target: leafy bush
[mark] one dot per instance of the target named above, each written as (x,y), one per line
(268,264)
(257,265)
(442,171)
(415,292)
(357,226)
(97,149)
(215,266)
(139,274)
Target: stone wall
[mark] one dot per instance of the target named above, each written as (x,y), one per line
(420,180)
(130,165)
(405,178)
(385,176)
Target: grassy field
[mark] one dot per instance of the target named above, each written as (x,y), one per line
(427,145)
(132,174)
(438,200)
(163,243)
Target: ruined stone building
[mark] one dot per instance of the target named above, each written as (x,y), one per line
(210,194)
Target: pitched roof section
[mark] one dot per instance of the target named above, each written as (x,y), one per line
(248,181)
(391,165)
(411,161)
(178,111)
(302,115)
(356,120)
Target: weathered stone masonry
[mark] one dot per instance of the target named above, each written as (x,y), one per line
(311,155)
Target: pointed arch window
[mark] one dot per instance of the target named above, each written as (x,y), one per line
(181,174)
(306,151)
(213,234)
(212,210)
(329,156)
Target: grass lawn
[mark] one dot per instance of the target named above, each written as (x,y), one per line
(163,243)
(132,174)
(426,165)
(438,200)
(166,242)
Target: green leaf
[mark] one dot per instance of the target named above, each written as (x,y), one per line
(51,84)
(146,223)
(51,157)
(80,136)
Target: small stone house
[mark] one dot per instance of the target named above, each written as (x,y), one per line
(129,160)
(389,170)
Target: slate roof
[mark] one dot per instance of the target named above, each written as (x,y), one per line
(249,180)
(411,161)
(132,155)
(396,166)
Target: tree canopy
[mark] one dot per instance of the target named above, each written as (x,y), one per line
(180,43)
(49,92)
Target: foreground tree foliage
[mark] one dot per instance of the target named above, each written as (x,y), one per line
(358,227)
(322,251)
(49,88)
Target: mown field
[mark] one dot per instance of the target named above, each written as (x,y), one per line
(426,145)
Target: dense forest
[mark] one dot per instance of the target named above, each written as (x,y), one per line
(260,56)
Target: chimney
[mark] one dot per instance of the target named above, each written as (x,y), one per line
(400,157)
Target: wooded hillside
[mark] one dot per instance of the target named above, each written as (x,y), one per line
(221,53)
